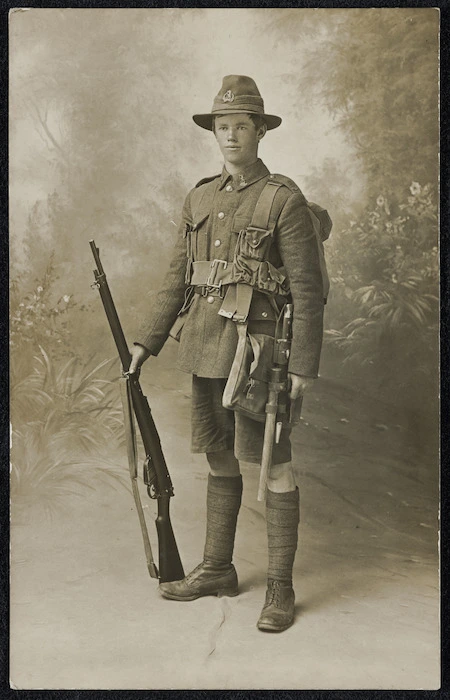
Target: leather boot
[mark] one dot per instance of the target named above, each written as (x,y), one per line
(208,578)
(282,514)
(278,611)
(216,574)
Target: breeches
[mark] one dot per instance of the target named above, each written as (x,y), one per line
(215,428)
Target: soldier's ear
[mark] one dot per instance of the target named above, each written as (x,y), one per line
(261,131)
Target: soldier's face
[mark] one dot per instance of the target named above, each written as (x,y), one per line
(238,140)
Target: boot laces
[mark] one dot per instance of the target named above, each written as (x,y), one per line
(191,575)
(274,593)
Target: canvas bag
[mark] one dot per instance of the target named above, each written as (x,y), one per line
(246,390)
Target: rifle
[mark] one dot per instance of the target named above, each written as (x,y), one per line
(156,474)
(278,398)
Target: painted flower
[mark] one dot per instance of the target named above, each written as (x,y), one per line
(415,189)
(66,298)
(380,200)
(40,289)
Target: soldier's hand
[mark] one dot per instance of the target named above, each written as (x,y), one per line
(138,355)
(298,385)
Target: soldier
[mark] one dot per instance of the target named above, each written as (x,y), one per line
(226,271)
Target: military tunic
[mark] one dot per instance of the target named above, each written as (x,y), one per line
(218,209)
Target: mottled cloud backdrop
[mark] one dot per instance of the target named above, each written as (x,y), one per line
(102,145)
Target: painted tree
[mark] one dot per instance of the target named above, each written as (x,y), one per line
(376,71)
(98,104)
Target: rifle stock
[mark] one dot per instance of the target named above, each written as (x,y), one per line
(157,478)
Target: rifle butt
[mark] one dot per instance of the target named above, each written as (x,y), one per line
(170,566)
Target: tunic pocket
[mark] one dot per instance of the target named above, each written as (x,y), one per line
(195,242)
(199,237)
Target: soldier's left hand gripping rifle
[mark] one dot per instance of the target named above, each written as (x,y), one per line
(156,474)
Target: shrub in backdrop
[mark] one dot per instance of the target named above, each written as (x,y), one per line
(385,279)
(66,420)
(40,318)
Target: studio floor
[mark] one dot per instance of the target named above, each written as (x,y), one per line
(86,614)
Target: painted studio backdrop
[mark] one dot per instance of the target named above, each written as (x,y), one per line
(102,145)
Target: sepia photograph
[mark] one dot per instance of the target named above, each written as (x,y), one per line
(224,348)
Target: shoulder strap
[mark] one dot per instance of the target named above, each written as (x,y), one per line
(204,180)
(286,181)
(263,208)
(264,211)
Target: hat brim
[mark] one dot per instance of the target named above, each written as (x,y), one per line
(206,120)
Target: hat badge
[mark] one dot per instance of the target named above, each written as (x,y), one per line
(228,96)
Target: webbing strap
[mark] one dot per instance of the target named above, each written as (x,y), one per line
(236,304)
(261,214)
(228,395)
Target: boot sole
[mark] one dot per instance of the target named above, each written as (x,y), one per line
(220,594)
(266,627)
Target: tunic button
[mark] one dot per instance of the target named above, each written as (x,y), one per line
(221,215)
(217,243)
(229,188)
(264,314)
(210,300)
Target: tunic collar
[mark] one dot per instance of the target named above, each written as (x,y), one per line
(256,171)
